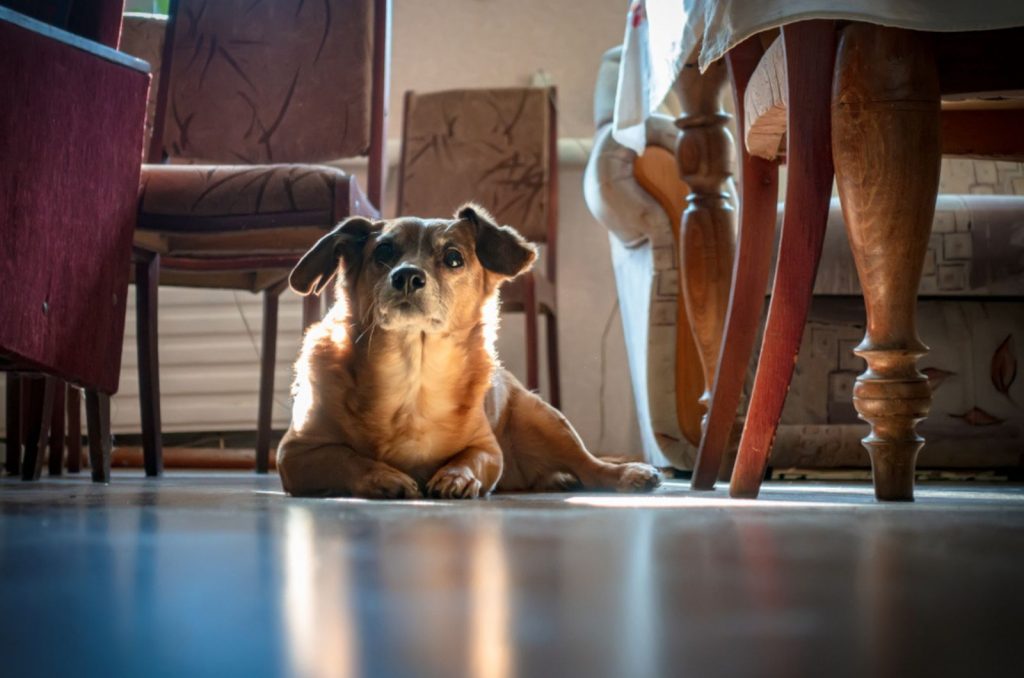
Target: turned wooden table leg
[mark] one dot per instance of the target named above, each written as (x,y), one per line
(704,153)
(886,144)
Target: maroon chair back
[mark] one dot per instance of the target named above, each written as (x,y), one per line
(280,81)
(98,20)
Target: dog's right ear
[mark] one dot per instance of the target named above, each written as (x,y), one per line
(320,263)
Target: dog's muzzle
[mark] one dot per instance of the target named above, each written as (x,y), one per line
(408,279)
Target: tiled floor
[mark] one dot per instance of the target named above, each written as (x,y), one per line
(220,574)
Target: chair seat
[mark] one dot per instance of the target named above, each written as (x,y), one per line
(243,210)
(239,226)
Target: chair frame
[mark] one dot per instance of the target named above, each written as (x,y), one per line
(536,286)
(148,263)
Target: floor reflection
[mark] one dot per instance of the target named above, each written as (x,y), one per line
(224,576)
(317,600)
(490,634)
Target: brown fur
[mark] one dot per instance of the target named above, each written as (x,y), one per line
(398,393)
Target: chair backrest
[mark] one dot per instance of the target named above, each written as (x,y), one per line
(142,36)
(495,147)
(98,20)
(248,82)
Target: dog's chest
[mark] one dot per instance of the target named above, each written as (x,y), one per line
(421,432)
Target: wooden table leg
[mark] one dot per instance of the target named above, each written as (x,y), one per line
(759,191)
(886,144)
(704,153)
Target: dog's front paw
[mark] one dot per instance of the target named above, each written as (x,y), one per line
(637,477)
(384,482)
(454,482)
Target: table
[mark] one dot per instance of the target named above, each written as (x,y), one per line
(880,126)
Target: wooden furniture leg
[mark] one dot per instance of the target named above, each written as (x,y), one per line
(56,460)
(147,281)
(554,378)
(268,362)
(40,406)
(532,333)
(759,191)
(707,234)
(810,58)
(97,414)
(886,142)
(74,435)
(310,311)
(12,461)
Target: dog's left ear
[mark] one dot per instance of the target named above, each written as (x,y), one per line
(319,264)
(499,248)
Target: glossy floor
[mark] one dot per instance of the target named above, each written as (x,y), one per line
(220,574)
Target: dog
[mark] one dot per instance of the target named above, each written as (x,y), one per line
(398,392)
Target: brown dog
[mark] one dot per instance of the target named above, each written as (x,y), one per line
(398,390)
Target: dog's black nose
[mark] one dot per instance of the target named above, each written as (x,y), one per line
(408,279)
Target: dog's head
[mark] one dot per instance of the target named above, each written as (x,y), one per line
(431,275)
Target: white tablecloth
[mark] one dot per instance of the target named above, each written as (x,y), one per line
(662,35)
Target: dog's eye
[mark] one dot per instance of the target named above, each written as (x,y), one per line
(384,252)
(453,258)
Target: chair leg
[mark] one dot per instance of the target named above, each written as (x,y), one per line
(310,311)
(40,404)
(759,191)
(530,311)
(97,414)
(886,141)
(12,462)
(810,57)
(268,361)
(554,373)
(147,281)
(56,460)
(74,434)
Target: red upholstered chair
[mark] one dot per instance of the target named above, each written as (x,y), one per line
(495,147)
(70,149)
(250,97)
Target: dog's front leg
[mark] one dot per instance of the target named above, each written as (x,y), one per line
(469,474)
(311,470)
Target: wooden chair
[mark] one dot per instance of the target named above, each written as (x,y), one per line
(71,134)
(820,93)
(258,94)
(498,148)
